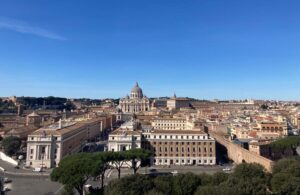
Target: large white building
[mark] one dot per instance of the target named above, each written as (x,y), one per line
(48,145)
(137,102)
(170,147)
(127,137)
(177,103)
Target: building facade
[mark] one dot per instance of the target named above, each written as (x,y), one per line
(136,102)
(189,147)
(170,147)
(180,123)
(177,103)
(47,146)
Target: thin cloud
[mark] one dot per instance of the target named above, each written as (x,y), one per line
(22,27)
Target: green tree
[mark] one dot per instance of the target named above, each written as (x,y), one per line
(164,185)
(185,184)
(73,171)
(135,156)
(11,145)
(249,171)
(286,165)
(208,190)
(218,178)
(130,185)
(101,164)
(117,161)
(247,179)
(286,176)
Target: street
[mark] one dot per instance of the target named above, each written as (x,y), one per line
(27,183)
(32,186)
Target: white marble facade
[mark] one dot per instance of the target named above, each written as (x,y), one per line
(136,102)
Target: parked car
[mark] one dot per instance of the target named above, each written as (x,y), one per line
(152,170)
(5,189)
(175,172)
(227,169)
(6,180)
(38,169)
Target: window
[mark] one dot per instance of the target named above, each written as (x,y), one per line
(43,150)
(32,138)
(31,151)
(112,138)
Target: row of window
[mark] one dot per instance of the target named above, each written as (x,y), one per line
(272,128)
(183,149)
(169,121)
(183,161)
(174,137)
(182,143)
(183,155)
(169,124)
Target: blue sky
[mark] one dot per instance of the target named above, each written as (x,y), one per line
(99,48)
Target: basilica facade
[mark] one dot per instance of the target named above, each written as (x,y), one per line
(136,102)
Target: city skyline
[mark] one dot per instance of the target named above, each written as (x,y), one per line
(198,49)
